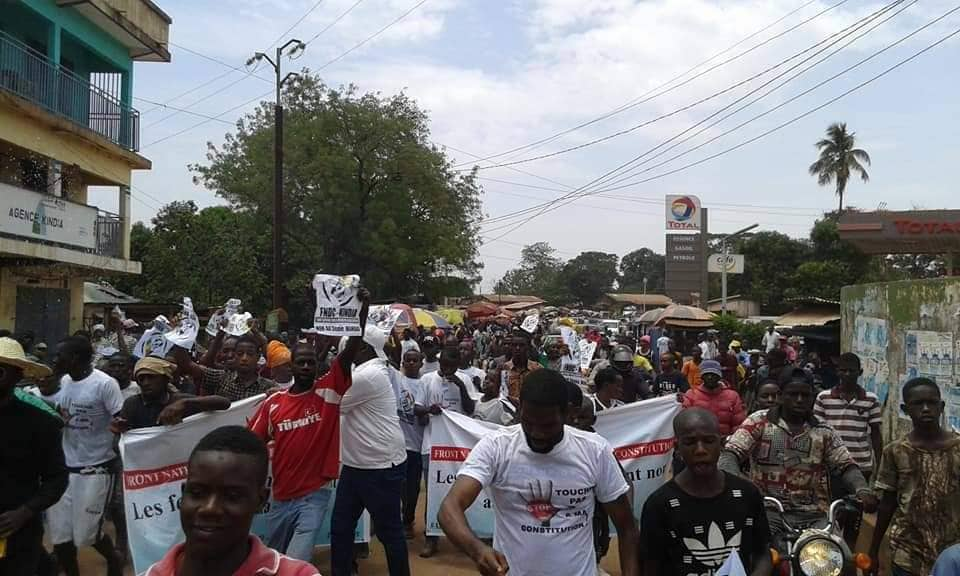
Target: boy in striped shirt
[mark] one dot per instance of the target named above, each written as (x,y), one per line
(855,414)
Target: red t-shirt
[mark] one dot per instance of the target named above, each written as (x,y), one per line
(305,431)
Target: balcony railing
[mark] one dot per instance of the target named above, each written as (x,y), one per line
(109,232)
(30,75)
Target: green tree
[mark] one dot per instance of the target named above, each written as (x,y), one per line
(589,276)
(838,159)
(819,278)
(640,264)
(210,255)
(536,275)
(771,257)
(365,191)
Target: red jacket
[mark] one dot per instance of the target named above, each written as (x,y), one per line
(261,561)
(725,403)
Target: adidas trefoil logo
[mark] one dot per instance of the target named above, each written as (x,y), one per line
(716,549)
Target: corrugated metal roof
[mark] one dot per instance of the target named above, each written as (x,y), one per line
(105,294)
(810,316)
(641,299)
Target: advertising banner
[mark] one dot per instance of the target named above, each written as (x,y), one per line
(683,213)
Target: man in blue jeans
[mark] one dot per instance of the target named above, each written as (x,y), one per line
(374,458)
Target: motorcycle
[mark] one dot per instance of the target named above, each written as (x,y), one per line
(819,551)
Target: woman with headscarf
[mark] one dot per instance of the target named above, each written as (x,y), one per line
(279,363)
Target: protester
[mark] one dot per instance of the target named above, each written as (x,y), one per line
(474,374)
(524,469)
(40,352)
(797,471)
(33,476)
(917,482)
(279,362)
(669,382)
(88,401)
(855,414)
(609,390)
(412,422)
(718,398)
(690,524)
(303,425)
(742,357)
(444,390)
(663,344)
(635,381)
(408,342)
(729,366)
(691,369)
(770,340)
(119,366)
(236,382)
(491,407)
(373,452)
(157,404)
(430,352)
(226,487)
(768,396)
(519,365)
(644,347)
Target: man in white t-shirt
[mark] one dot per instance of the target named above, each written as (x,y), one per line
(409,342)
(545,479)
(468,353)
(663,344)
(444,389)
(374,456)
(88,400)
(771,339)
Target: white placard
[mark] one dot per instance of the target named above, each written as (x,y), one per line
(239,324)
(229,309)
(185,334)
(587,349)
(153,342)
(383,317)
(530,323)
(338,305)
(44,217)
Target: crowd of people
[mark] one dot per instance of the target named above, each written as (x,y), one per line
(346,422)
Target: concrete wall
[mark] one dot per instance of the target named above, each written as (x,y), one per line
(38,277)
(920,305)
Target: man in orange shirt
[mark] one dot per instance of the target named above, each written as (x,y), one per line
(691,369)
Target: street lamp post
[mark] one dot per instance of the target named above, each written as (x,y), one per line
(278,162)
(723,265)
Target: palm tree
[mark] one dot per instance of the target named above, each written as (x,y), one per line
(838,158)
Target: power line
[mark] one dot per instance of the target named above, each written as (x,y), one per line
(601,180)
(374,35)
(182,94)
(210,119)
(205,98)
(184,110)
(808,112)
(335,21)
(295,24)
(688,106)
(652,93)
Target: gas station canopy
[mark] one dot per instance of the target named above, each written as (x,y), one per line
(911,232)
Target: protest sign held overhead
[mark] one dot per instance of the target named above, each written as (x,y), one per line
(153,342)
(239,324)
(338,305)
(185,334)
(384,317)
(587,349)
(530,323)
(570,363)
(231,308)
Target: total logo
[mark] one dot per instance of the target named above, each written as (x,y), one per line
(683,213)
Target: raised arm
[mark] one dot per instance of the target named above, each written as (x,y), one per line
(180,409)
(453,521)
(186,364)
(355,343)
(465,400)
(209,358)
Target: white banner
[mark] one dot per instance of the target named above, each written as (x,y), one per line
(154,470)
(640,433)
(44,217)
(338,307)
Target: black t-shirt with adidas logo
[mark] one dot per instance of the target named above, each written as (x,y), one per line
(690,536)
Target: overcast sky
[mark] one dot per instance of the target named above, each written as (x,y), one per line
(499,74)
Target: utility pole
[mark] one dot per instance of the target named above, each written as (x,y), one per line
(723,265)
(298,46)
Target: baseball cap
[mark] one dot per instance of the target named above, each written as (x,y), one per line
(736,344)
(710,367)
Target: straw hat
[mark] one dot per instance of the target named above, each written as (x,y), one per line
(11,353)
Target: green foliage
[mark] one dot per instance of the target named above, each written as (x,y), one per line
(210,255)
(589,276)
(538,273)
(839,158)
(365,192)
(771,258)
(750,333)
(640,264)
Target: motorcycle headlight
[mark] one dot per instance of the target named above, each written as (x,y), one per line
(820,557)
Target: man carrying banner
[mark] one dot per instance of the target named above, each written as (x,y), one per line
(692,523)
(32,472)
(303,422)
(226,485)
(544,478)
